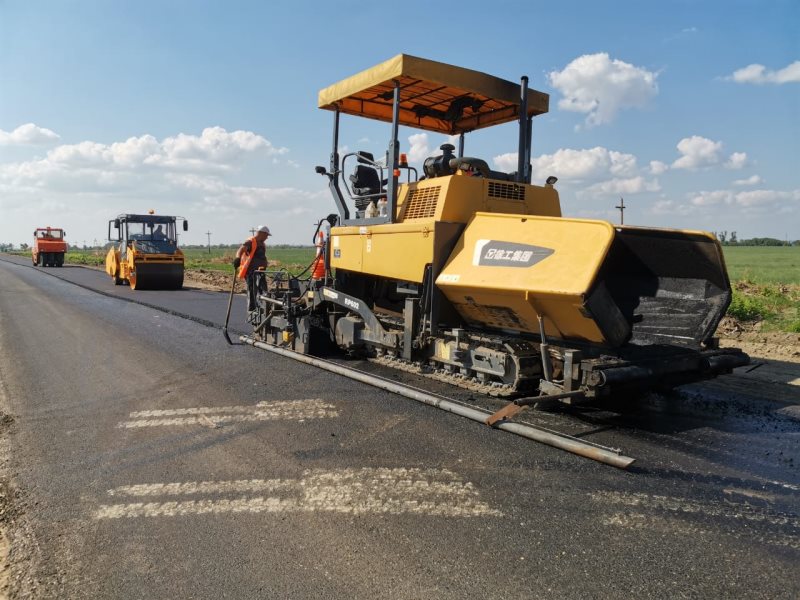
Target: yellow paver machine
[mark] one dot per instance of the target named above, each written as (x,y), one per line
(474,276)
(146,255)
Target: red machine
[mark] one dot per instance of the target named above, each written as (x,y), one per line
(49,247)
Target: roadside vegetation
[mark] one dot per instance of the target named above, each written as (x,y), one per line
(766,286)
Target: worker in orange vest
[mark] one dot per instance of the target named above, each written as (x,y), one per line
(250,258)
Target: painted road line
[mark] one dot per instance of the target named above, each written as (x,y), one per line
(294,410)
(776,528)
(434,492)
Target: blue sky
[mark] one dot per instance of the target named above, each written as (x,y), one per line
(689,110)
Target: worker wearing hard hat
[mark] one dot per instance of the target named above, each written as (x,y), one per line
(250,258)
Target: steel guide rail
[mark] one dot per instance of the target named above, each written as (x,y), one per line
(556,440)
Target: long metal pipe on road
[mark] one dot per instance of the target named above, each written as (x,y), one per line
(532,433)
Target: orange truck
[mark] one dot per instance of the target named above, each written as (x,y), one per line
(49,247)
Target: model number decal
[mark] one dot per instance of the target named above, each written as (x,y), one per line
(352,304)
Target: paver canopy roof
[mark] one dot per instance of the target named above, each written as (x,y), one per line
(433,96)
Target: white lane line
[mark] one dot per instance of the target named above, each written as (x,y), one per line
(709,508)
(436,492)
(296,410)
(672,526)
(205,410)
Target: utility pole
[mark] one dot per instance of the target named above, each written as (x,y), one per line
(621,207)
(208,233)
(253,231)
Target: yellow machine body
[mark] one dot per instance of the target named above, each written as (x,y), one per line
(472,276)
(146,253)
(146,270)
(427,212)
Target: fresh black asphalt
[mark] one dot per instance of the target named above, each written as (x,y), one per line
(373,497)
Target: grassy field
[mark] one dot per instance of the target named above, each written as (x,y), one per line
(766,285)
(293,258)
(764,264)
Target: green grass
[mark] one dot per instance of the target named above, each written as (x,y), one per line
(763,265)
(219,259)
(294,258)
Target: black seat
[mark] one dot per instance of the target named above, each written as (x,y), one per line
(365,181)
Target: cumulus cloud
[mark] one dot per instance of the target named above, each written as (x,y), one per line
(592,172)
(418,147)
(570,164)
(697,152)
(215,150)
(596,85)
(28,135)
(671,208)
(759,74)
(752,180)
(750,200)
(657,167)
(630,185)
(737,160)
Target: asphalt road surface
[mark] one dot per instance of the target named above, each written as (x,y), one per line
(143,457)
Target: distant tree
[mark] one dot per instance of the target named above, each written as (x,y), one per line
(733,238)
(723,237)
(23,246)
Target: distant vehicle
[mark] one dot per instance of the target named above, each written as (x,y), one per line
(147,256)
(49,247)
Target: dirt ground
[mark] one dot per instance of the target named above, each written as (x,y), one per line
(768,345)
(210,280)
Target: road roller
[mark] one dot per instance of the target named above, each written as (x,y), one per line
(49,247)
(144,252)
(473,276)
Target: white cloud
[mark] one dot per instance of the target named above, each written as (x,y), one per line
(749,201)
(215,150)
(759,74)
(28,135)
(569,164)
(712,198)
(752,180)
(737,160)
(418,147)
(631,185)
(697,152)
(671,208)
(599,87)
(657,167)
(753,198)
(507,162)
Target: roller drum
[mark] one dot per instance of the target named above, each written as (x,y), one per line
(156,276)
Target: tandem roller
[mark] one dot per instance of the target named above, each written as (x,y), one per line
(146,256)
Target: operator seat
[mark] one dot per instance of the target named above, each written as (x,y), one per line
(365,180)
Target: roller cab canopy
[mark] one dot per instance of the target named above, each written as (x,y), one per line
(434,96)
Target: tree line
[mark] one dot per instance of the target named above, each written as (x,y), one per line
(730,239)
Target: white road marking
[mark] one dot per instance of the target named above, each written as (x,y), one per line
(711,508)
(436,492)
(293,410)
(672,526)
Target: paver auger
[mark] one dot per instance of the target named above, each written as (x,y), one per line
(147,255)
(473,276)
